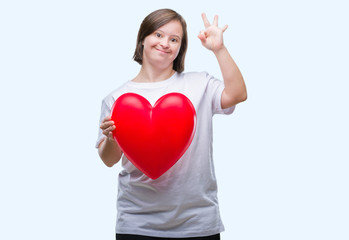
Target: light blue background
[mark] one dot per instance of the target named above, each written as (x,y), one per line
(281,159)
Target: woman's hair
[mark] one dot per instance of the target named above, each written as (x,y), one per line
(154,21)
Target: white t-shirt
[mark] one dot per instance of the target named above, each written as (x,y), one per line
(183,201)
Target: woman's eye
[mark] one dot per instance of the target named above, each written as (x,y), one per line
(174,40)
(158,34)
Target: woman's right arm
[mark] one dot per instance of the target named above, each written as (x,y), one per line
(109,150)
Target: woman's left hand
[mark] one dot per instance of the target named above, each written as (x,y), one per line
(212,36)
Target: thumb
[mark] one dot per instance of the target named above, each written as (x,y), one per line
(110,135)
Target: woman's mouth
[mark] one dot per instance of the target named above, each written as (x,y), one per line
(161,50)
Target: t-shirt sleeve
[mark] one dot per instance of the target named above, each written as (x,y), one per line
(105,111)
(215,89)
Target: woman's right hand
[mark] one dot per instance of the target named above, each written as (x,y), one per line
(108,127)
(109,149)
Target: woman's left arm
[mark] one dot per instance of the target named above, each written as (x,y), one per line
(235,88)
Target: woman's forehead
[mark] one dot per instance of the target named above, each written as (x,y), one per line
(172,28)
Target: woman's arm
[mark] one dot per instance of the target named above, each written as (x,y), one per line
(109,150)
(235,88)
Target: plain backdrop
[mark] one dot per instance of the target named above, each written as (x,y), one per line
(281,159)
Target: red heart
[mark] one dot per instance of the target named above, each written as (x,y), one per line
(154,138)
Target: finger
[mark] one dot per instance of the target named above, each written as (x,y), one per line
(110,135)
(215,20)
(107,118)
(224,28)
(202,37)
(108,131)
(105,125)
(206,22)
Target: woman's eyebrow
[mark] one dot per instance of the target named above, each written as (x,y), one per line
(176,36)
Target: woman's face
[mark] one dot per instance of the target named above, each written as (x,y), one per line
(162,46)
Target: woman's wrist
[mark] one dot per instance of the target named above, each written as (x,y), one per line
(219,50)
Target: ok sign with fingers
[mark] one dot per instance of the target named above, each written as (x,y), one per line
(212,36)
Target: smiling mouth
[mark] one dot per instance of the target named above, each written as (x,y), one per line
(163,51)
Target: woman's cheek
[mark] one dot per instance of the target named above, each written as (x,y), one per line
(179,48)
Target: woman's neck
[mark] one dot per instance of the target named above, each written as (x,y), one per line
(148,74)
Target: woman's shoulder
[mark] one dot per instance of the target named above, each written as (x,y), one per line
(196,78)
(113,95)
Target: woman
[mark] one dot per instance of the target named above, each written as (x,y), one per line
(182,203)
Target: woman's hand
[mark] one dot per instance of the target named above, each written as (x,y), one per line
(212,36)
(108,127)
(108,149)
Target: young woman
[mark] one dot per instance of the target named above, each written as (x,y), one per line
(182,203)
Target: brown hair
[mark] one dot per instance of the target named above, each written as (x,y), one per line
(154,21)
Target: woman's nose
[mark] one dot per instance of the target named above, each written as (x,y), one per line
(164,43)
